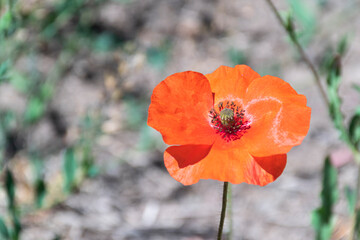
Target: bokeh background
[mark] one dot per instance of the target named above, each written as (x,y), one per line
(76,78)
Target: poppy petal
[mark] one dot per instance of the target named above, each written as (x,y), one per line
(227,81)
(279,117)
(230,165)
(272,164)
(180,107)
(188,154)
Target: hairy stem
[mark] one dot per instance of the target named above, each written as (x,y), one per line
(223,211)
(301,51)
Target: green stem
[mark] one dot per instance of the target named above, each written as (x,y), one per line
(301,51)
(354,234)
(341,127)
(223,210)
(230,212)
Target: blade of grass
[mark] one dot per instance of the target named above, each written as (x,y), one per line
(70,166)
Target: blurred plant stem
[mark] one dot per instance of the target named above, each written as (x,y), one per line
(230,213)
(333,101)
(346,134)
(12,208)
(354,229)
(223,210)
(288,26)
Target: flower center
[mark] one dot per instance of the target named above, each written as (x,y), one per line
(227,116)
(230,122)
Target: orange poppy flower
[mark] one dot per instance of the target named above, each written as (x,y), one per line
(231,125)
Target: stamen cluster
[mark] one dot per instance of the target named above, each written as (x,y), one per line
(230,125)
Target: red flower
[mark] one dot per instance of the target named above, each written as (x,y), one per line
(230,125)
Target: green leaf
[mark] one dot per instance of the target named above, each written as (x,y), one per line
(354,128)
(7,119)
(149,138)
(57,237)
(289,24)
(145,142)
(87,163)
(334,79)
(323,230)
(326,60)
(333,82)
(302,12)
(350,195)
(105,42)
(35,110)
(329,193)
(342,46)
(334,111)
(70,166)
(135,113)
(87,122)
(19,81)
(236,56)
(17,228)
(157,57)
(5,21)
(3,70)
(40,192)
(10,189)
(322,218)
(357,225)
(46,91)
(306,16)
(3,229)
(39,184)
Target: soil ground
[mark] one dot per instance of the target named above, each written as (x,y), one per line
(134,197)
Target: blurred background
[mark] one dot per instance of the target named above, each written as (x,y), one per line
(78,160)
